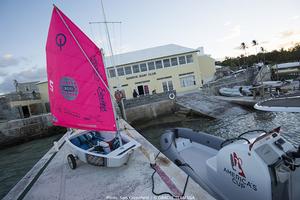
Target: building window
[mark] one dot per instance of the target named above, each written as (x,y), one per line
(182,60)
(135,69)
(120,71)
(128,70)
(143,67)
(151,66)
(112,73)
(174,61)
(158,64)
(189,58)
(167,86)
(187,81)
(166,62)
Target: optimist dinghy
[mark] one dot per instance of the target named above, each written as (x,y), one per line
(80,98)
(256,165)
(99,148)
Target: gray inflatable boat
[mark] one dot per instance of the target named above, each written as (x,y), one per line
(257,164)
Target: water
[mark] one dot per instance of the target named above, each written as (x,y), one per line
(16,161)
(226,128)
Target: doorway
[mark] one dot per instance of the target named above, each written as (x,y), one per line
(141,90)
(26,112)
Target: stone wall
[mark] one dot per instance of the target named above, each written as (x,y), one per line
(143,100)
(149,111)
(18,131)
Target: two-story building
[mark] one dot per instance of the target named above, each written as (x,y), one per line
(159,69)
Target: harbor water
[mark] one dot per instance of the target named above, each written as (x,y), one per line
(225,128)
(16,161)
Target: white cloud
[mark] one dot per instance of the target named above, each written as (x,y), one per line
(7,56)
(228,23)
(294,17)
(33,74)
(8,60)
(233,32)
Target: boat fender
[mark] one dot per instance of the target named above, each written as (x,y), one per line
(172,96)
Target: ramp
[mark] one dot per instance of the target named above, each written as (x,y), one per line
(209,106)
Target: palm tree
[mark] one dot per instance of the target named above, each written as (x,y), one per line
(243,46)
(263,52)
(254,43)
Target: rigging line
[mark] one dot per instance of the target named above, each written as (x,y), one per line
(113,41)
(120,39)
(92,33)
(110,45)
(108,35)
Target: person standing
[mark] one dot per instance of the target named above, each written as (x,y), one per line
(135,94)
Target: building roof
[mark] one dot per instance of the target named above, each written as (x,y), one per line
(147,54)
(27,83)
(42,81)
(288,65)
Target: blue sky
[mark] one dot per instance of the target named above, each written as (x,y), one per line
(219,26)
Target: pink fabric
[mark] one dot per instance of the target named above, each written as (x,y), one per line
(78,98)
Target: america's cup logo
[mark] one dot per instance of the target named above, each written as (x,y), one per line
(236,164)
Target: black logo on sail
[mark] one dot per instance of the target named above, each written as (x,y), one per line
(60,40)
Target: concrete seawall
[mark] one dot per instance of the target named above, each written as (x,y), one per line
(21,130)
(149,111)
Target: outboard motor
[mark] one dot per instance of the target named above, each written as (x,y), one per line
(264,167)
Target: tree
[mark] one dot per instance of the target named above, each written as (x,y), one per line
(254,43)
(243,46)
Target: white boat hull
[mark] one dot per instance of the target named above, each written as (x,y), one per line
(282,104)
(230,92)
(115,158)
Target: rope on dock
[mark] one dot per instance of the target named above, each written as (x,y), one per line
(167,181)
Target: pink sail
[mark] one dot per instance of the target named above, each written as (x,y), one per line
(78,97)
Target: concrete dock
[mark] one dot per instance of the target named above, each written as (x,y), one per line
(51,177)
(209,105)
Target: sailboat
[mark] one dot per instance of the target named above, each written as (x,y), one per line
(80,98)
